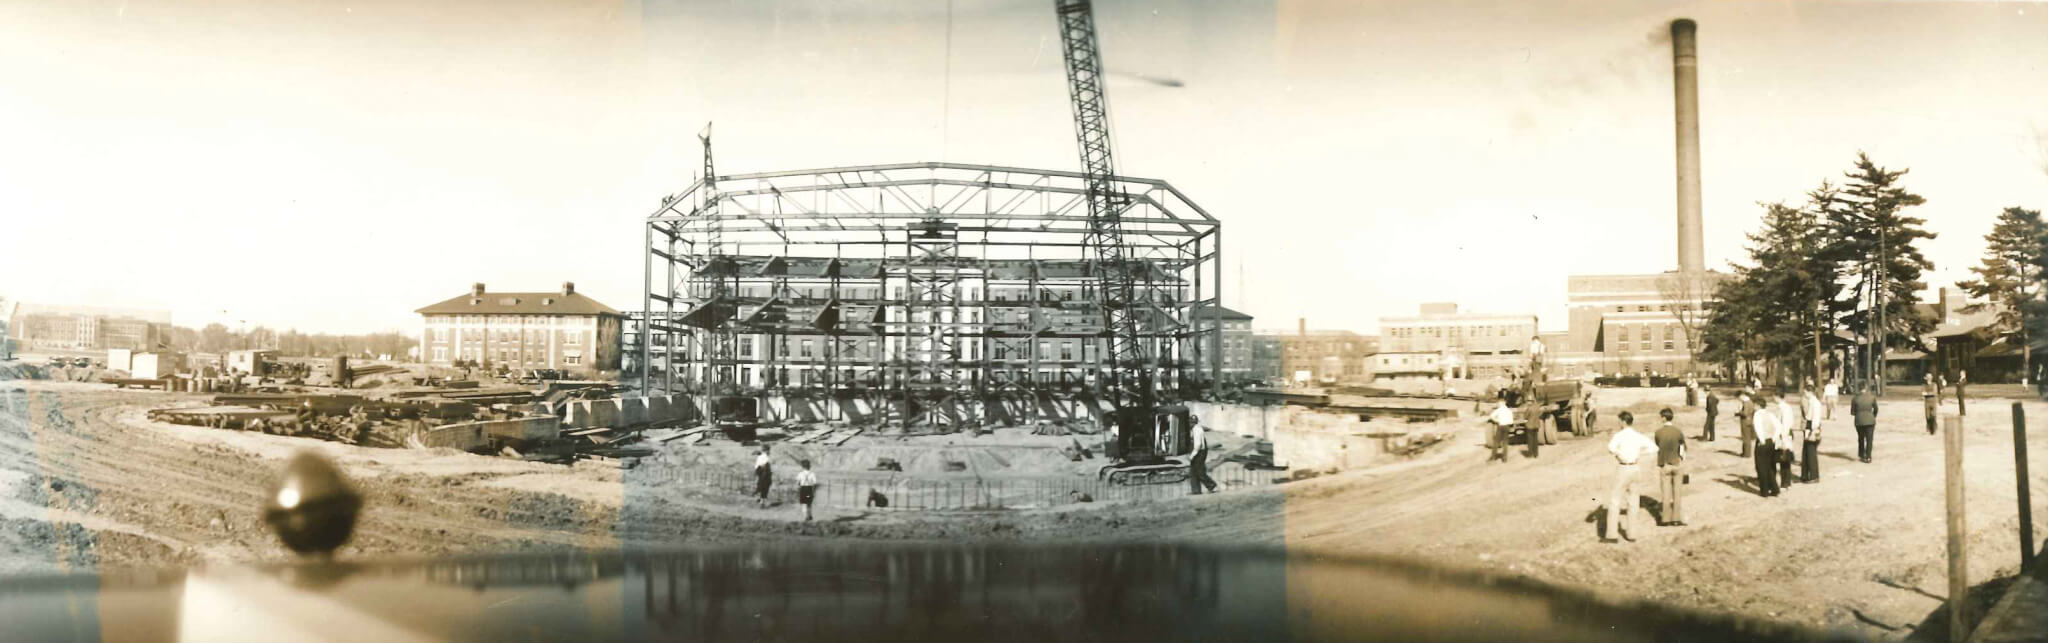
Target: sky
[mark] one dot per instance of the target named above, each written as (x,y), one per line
(333,166)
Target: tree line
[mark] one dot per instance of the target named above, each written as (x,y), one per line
(1843,269)
(218,338)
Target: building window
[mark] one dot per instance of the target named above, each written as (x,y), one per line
(806,346)
(1066,351)
(440,353)
(572,359)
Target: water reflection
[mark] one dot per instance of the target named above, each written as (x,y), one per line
(961,594)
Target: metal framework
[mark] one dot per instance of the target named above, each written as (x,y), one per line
(926,295)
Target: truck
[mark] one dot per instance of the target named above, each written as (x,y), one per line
(1561,403)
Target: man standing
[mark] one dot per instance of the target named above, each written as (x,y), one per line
(1809,452)
(1628,448)
(1745,416)
(1829,396)
(1962,378)
(1670,472)
(1765,432)
(1930,397)
(1863,409)
(1789,437)
(763,474)
(1497,436)
(1198,474)
(1713,408)
(1692,392)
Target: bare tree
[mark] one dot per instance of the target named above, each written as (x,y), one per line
(1689,296)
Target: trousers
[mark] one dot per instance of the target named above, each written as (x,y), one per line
(1623,499)
(1809,462)
(1784,467)
(1198,473)
(1708,434)
(1766,478)
(1866,435)
(1669,478)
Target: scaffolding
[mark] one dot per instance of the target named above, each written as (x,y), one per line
(927,297)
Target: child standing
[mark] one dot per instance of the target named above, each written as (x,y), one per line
(806,487)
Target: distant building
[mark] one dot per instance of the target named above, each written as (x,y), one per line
(1320,356)
(1267,356)
(522,330)
(1470,345)
(1633,323)
(88,328)
(1237,339)
(1391,366)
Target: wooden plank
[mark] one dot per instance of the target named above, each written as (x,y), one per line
(843,436)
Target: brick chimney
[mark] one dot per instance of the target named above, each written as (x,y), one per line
(1301,326)
(476,289)
(568,288)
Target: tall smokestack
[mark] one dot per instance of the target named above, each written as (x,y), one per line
(1686,95)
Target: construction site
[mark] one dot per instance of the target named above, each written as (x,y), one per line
(973,353)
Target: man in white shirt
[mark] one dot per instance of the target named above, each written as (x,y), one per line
(1828,396)
(1766,454)
(1198,465)
(1791,432)
(1628,448)
(1497,434)
(763,475)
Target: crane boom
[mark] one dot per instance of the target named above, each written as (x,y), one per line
(1111,262)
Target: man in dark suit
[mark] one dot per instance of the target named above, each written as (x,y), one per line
(1863,409)
(1713,408)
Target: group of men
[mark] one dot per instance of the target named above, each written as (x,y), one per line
(1776,432)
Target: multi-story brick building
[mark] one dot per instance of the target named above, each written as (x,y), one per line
(1237,339)
(520,330)
(38,327)
(1315,356)
(1634,323)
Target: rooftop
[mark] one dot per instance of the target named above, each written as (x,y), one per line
(481,302)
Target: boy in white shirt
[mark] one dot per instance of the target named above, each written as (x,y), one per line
(806,487)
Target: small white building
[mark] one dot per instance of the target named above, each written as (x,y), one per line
(150,366)
(119,358)
(250,361)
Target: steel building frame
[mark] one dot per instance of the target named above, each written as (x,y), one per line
(933,289)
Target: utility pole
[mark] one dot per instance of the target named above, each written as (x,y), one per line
(1877,314)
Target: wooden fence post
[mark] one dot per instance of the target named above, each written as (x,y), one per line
(2019,462)
(1958,556)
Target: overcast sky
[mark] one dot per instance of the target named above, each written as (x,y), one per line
(334,166)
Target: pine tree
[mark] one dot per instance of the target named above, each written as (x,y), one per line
(1873,242)
(2010,276)
(1773,310)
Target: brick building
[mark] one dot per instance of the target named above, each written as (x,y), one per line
(521,330)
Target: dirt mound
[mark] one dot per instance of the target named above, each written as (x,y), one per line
(18,370)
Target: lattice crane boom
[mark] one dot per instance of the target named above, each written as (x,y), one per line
(1130,367)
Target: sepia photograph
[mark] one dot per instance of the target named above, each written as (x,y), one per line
(1023,320)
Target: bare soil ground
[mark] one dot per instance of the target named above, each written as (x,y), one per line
(88,482)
